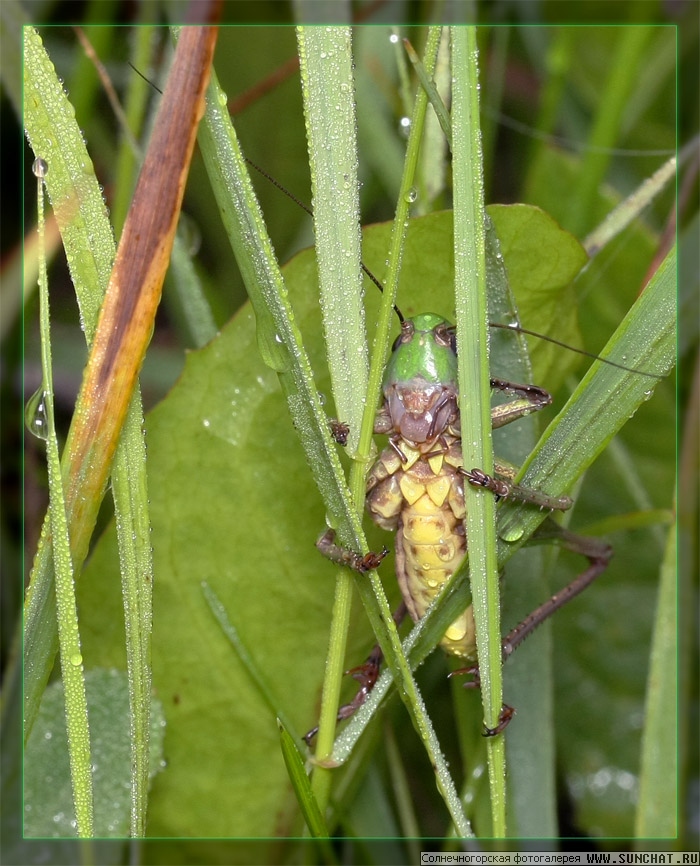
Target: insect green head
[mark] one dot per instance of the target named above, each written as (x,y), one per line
(420,385)
(424,350)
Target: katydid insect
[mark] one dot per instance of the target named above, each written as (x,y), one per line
(416,487)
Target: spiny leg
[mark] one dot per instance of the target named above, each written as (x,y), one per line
(507,712)
(598,553)
(501,484)
(505,489)
(366,675)
(532,399)
(344,556)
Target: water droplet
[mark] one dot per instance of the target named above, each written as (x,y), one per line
(223,99)
(394,38)
(512,533)
(411,195)
(40,167)
(76,660)
(35,418)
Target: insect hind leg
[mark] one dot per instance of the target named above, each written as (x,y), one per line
(366,675)
(598,553)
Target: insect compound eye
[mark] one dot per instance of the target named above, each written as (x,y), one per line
(446,335)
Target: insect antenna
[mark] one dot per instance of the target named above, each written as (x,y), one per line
(512,327)
(520,330)
(289,195)
(308,210)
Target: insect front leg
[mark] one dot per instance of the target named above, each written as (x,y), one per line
(501,483)
(531,399)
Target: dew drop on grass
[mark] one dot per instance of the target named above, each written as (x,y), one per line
(40,167)
(35,418)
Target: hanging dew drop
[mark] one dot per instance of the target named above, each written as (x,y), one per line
(412,195)
(40,167)
(514,533)
(35,418)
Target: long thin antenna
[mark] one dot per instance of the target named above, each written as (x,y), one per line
(520,330)
(308,210)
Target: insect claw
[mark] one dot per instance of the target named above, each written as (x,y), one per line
(504,718)
(507,712)
(342,556)
(365,674)
(309,735)
(370,561)
(473,671)
(477,478)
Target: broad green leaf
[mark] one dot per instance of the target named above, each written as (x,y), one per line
(48,810)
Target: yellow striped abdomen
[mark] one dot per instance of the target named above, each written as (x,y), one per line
(423,498)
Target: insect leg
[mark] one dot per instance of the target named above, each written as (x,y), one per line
(344,556)
(505,489)
(598,554)
(366,675)
(532,400)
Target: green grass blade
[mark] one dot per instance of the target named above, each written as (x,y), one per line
(325,57)
(631,208)
(77,726)
(471,303)
(657,807)
(302,786)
